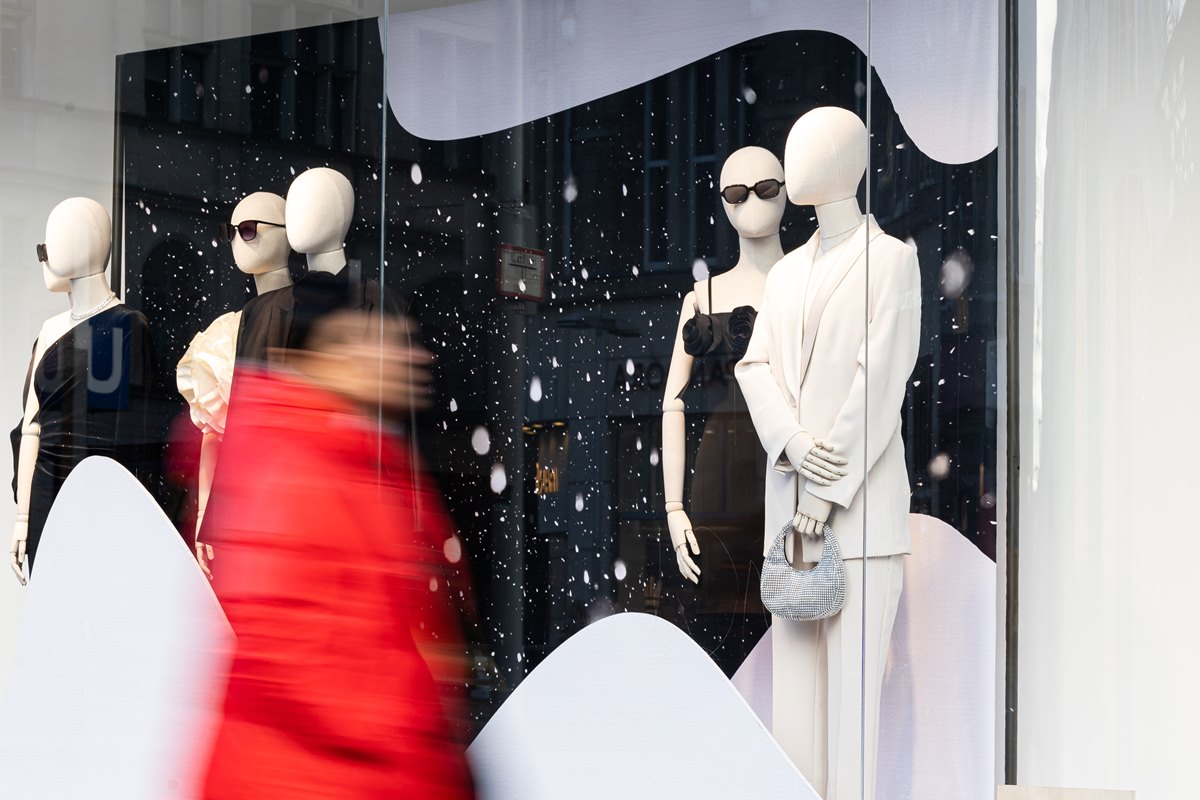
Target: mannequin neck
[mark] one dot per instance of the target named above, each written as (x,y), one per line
(88,293)
(837,220)
(270,281)
(331,262)
(758,254)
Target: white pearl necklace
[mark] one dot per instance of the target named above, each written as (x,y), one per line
(96,310)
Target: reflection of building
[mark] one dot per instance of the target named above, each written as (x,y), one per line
(561,501)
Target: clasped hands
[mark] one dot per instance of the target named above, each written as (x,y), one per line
(817,462)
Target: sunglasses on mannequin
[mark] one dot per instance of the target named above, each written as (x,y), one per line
(738,193)
(42,256)
(247,229)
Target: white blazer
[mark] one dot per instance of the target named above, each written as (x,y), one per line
(816,379)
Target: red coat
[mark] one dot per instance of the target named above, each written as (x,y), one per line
(330,566)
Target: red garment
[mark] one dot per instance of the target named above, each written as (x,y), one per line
(330,567)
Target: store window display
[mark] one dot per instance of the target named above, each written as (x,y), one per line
(89,376)
(548,429)
(646,284)
(826,372)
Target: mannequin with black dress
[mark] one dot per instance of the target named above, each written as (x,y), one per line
(88,379)
(717,539)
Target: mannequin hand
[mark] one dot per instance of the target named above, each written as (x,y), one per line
(811,515)
(821,466)
(815,460)
(682,538)
(204,554)
(17,551)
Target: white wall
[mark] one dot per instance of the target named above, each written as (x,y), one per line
(1109,542)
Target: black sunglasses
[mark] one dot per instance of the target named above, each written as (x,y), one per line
(41,251)
(247,229)
(738,193)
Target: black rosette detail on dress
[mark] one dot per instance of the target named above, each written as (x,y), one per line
(741,325)
(700,336)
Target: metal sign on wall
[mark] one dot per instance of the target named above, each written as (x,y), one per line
(522,273)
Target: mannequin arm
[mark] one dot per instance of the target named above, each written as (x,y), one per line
(773,415)
(673,449)
(208,465)
(789,447)
(31,433)
(870,414)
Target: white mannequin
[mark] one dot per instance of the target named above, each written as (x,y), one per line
(320,207)
(830,358)
(757,222)
(265,257)
(822,178)
(78,233)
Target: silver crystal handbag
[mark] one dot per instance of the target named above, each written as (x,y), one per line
(802,594)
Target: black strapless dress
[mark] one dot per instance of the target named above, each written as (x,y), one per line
(91,386)
(724,494)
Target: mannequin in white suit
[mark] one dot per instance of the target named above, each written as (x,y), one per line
(827,366)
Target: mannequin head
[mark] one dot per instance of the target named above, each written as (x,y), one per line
(756,217)
(825,157)
(267,251)
(320,205)
(78,239)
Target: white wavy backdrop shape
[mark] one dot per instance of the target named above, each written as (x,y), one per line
(116,682)
(474,68)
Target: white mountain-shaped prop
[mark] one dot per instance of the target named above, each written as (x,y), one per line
(630,707)
(120,652)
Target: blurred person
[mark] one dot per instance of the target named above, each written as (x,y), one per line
(336,569)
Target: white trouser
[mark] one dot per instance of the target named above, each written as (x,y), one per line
(821,675)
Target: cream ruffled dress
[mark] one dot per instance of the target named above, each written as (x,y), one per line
(204,375)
